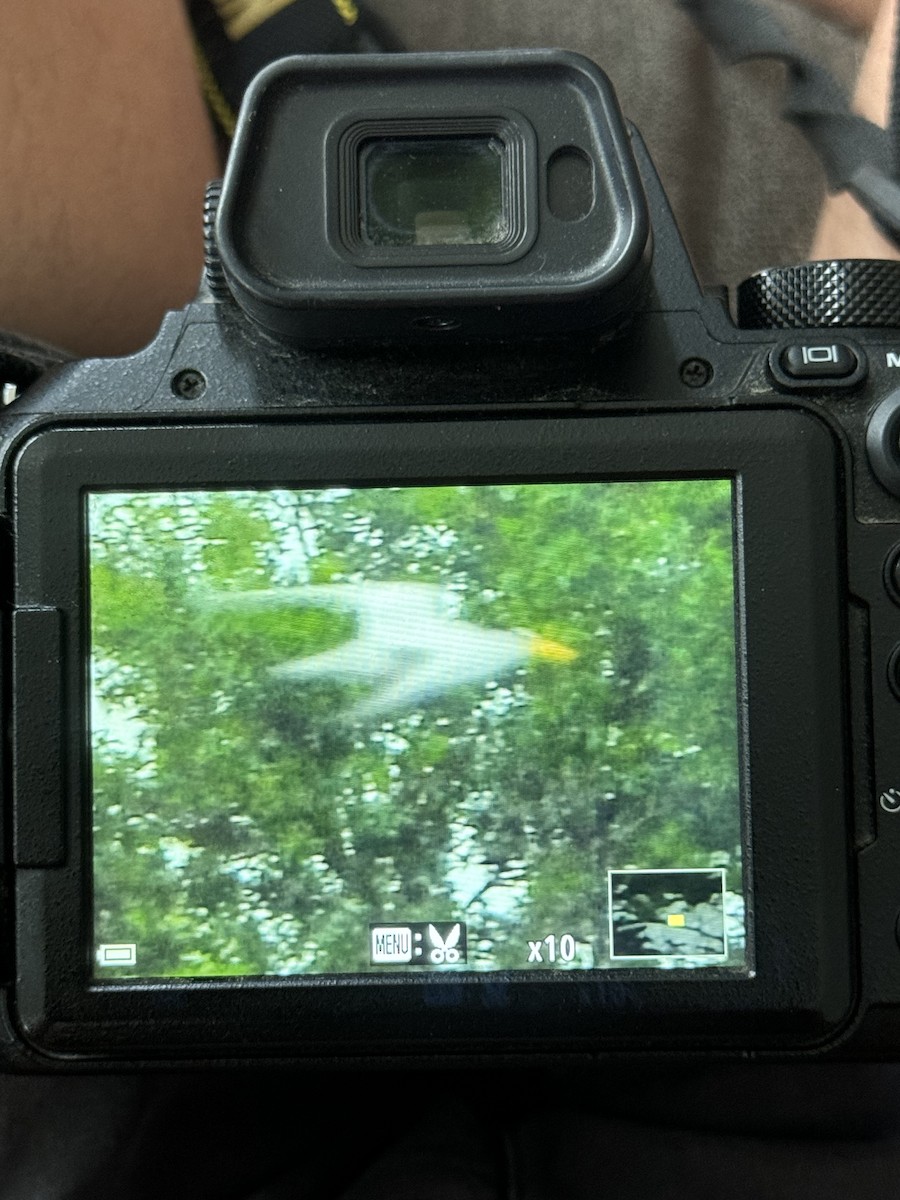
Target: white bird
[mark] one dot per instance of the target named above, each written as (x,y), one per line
(409,643)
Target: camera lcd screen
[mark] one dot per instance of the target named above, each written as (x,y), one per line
(415,729)
(437,191)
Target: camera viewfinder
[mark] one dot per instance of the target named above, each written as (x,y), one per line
(440,191)
(433,198)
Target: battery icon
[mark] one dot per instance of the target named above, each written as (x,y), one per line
(392,943)
(119,954)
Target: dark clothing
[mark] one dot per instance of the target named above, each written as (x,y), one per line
(797,1131)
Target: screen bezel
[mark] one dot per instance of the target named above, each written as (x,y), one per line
(789,592)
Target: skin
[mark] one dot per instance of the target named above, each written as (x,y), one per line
(845,230)
(855,14)
(106,148)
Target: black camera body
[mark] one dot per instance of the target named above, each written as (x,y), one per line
(516,677)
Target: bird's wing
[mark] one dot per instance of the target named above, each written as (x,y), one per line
(410,678)
(397,605)
(371,599)
(424,600)
(351,660)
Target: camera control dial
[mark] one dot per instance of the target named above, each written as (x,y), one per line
(846,293)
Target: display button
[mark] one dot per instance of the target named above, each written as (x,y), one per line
(818,360)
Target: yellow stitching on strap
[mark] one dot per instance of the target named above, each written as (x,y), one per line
(347,11)
(219,106)
(241,17)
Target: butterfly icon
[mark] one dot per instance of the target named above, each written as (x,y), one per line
(443,950)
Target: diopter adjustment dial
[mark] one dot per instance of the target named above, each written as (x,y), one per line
(850,292)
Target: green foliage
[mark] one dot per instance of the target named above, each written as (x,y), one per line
(247,823)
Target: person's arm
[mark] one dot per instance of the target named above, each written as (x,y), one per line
(105,148)
(845,229)
(855,14)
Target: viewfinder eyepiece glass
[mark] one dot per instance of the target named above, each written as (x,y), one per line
(436,191)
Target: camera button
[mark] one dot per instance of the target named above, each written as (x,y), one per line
(892,574)
(893,671)
(818,360)
(883,442)
(817,363)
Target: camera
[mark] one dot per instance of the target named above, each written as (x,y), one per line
(457,636)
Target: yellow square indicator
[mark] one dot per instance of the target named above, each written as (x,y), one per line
(675,920)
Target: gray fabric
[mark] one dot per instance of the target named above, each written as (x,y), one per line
(744,185)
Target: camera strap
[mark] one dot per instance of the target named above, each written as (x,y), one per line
(858,156)
(235,39)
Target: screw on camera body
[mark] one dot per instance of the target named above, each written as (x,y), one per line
(189,384)
(696,372)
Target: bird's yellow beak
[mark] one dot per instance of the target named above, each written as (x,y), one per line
(546,648)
